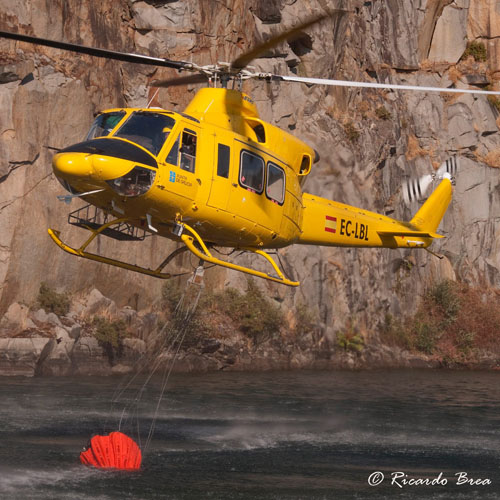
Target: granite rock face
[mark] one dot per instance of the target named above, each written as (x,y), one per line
(450,34)
(415,42)
(484,25)
(59,346)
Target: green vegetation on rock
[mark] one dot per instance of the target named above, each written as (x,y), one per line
(350,342)
(253,313)
(249,312)
(351,132)
(382,113)
(110,335)
(477,50)
(495,102)
(350,339)
(51,301)
(454,323)
(304,320)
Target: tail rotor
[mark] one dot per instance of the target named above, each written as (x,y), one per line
(449,166)
(415,189)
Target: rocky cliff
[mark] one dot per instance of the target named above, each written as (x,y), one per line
(369,141)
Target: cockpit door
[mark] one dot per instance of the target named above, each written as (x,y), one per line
(182,163)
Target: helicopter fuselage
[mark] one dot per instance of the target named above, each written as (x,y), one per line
(218,167)
(227,177)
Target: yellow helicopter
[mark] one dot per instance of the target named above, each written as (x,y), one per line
(216,175)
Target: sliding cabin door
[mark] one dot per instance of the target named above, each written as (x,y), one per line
(258,190)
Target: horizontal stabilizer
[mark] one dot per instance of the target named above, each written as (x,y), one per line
(416,234)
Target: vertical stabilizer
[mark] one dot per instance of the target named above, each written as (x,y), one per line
(432,211)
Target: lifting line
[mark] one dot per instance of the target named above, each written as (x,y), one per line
(158,352)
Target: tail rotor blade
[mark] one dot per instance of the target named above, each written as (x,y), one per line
(449,166)
(415,189)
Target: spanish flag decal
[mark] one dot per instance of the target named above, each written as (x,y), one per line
(330,224)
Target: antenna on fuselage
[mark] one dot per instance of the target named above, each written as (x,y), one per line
(153,98)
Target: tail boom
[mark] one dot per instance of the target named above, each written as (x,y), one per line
(329,223)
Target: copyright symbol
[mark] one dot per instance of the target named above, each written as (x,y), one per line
(375,478)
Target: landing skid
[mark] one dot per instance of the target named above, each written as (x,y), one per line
(192,241)
(202,252)
(81,252)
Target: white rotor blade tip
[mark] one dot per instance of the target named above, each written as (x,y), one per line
(388,86)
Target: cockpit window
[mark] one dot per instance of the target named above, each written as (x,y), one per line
(104,124)
(188,150)
(147,129)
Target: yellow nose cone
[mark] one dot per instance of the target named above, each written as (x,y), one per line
(72,165)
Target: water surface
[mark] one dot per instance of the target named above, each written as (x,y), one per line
(292,435)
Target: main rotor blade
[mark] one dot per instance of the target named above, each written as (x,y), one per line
(242,61)
(368,85)
(92,51)
(182,80)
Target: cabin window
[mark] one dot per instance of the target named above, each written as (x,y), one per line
(188,150)
(223,156)
(252,172)
(148,129)
(275,187)
(104,124)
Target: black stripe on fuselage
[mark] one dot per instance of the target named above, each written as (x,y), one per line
(115,148)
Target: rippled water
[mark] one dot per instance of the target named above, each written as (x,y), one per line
(275,435)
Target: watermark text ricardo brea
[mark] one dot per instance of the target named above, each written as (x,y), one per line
(402,479)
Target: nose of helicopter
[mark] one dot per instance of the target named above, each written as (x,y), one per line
(100,160)
(70,166)
(85,167)
(104,164)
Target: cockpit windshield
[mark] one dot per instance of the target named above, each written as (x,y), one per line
(104,124)
(148,129)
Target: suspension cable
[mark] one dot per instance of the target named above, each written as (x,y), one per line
(164,349)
